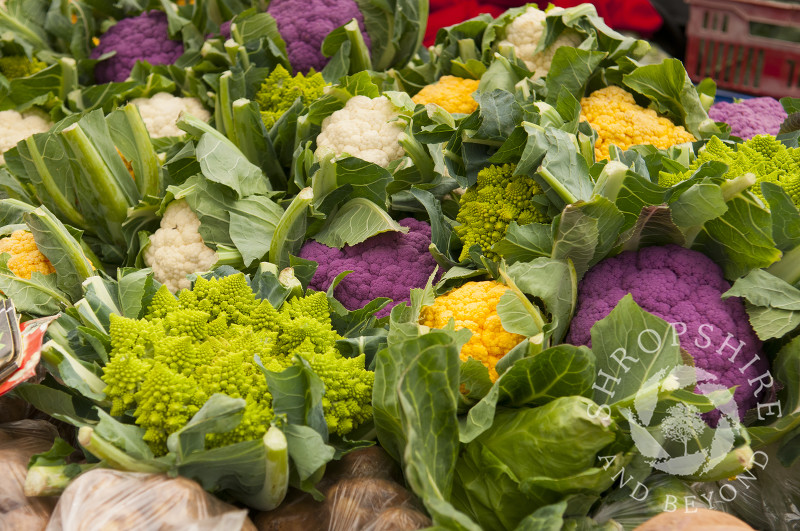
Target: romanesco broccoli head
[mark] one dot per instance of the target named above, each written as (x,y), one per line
(497,199)
(280,90)
(164,366)
(764,156)
(16,66)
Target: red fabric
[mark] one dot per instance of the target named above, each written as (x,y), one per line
(622,15)
(445,13)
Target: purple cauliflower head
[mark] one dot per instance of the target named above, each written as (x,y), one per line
(141,38)
(751,117)
(684,288)
(387,265)
(225,29)
(304,24)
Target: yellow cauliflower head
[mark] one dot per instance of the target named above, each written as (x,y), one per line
(474,306)
(25,255)
(451,93)
(618,120)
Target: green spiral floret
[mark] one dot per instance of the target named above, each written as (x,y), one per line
(315,305)
(131,335)
(265,317)
(497,198)
(347,401)
(182,355)
(306,329)
(123,377)
(193,323)
(163,303)
(166,401)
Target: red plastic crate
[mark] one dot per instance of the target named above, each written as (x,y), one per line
(721,45)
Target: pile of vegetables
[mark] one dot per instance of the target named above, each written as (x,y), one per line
(536,282)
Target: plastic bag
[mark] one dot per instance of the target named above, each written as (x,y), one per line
(362,493)
(106,500)
(19,441)
(766,497)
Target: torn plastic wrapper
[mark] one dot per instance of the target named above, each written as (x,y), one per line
(32,335)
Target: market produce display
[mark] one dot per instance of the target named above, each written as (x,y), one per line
(290,269)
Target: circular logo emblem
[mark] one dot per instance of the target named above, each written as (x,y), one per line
(669,438)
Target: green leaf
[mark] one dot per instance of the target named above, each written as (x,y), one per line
(697,205)
(527,459)
(136,288)
(291,230)
(772,305)
(500,114)
(428,398)
(635,193)
(570,70)
(221,162)
(523,243)
(246,223)
(631,346)
(126,437)
(219,414)
(547,518)
(64,252)
(785,216)
(356,221)
(307,449)
(671,93)
(554,283)
(654,227)
(563,370)
(38,295)
(254,244)
(76,374)
(514,315)
(553,157)
(586,232)
(367,179)
(741,239)
(786,368)
(57,403)
(297,393)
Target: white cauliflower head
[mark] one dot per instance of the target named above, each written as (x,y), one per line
(526,31)
(161,111)
(177,249)
(15,127)
(366,128)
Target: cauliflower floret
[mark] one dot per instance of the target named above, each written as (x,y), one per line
(161,111)
(177,249)
(18,127)
(366,128)
(526,31)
